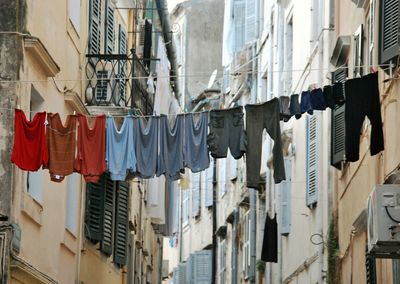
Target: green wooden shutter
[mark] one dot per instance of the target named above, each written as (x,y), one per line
(195,181)
(389,41)
(94,210)
(108,219)
(338,138)
(285,193)
(109,29)
(94,26)
(312,178)
(121,223)
(122,49)
(370,268)
(122,40)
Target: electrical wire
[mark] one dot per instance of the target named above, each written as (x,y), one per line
(390,216)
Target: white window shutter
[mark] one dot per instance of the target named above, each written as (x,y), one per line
(195,181)
(190,269)
(221,170)
(239,20)
(202,267)
(250,31)
(233,168)
(209,186)
(285,193)
(312,157)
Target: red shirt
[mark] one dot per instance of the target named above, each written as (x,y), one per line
(91,159)
(30,147)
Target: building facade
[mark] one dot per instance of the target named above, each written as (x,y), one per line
(78,57)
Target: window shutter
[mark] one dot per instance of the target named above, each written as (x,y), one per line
(338,125)
(389,42)
(285,192)
(396,270)
(122,40)
(221,176)
(94,210)
(148,34)
(312,160)
(195,179)
(370,267)
(109,29)
(233,168)
(121,223)
(239,9)
(181,277)
(190,269)
(209,186)
(122,49)
(202,266)
(94,27)
(250,20)
(108,219)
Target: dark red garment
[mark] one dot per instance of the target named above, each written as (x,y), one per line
(30,147)
(91,159)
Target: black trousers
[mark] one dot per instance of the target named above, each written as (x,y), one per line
(362,99)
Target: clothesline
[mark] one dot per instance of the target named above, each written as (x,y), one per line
(200,75)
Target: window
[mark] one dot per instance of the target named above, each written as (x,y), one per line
(107,217)
(74,12)
(221,176)
(246,244)
(312,159)
(185,207)
(250,32)
(239,9)
(288,57)
(35,179)
(358,52)
(285,196)
(195,182)
(222,261)
(338,125)
(73,186)
(389,42)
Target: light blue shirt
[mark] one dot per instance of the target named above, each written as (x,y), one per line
(120,148)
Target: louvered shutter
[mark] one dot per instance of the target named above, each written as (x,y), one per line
(250,32)
(239,9)
(108,219)
(122,49)
(209,184)
(190,269)
(202,267)
(94,26)
(121,223)
(389,38)
(195,180)
(109,29)
(285,192)
(221,170)
(94,210)
(370,269)
(148,34)
(312,178)
(181,277)
(396,270)
(338,138)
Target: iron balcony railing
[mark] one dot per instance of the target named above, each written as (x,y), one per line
(117,80)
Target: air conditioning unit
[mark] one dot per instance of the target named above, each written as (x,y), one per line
(384,221)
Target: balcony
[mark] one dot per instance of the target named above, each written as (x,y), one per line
(118,82)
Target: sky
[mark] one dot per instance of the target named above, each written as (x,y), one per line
(172,3)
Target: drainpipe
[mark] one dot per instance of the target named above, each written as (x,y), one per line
(235,246)
(169,44)
(214,225)
(253,239)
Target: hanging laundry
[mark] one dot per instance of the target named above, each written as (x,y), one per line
(284,108)
(196,155)
(30,147)
(146,136)
(120,148)
(150,85)
(328,96)
(91,162)
(269,251)
(317,99)
(305,103)
(61,141)
(294,107)
(227,130)
(362,99)
(258,117)
(170,158)
(338,95)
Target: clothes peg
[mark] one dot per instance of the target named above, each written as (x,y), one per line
(108,113)
(18,107)
(74,113)
(129,113)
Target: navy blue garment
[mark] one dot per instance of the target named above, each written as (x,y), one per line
(317,99)
(294,107)
(305,103)
(328,95)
